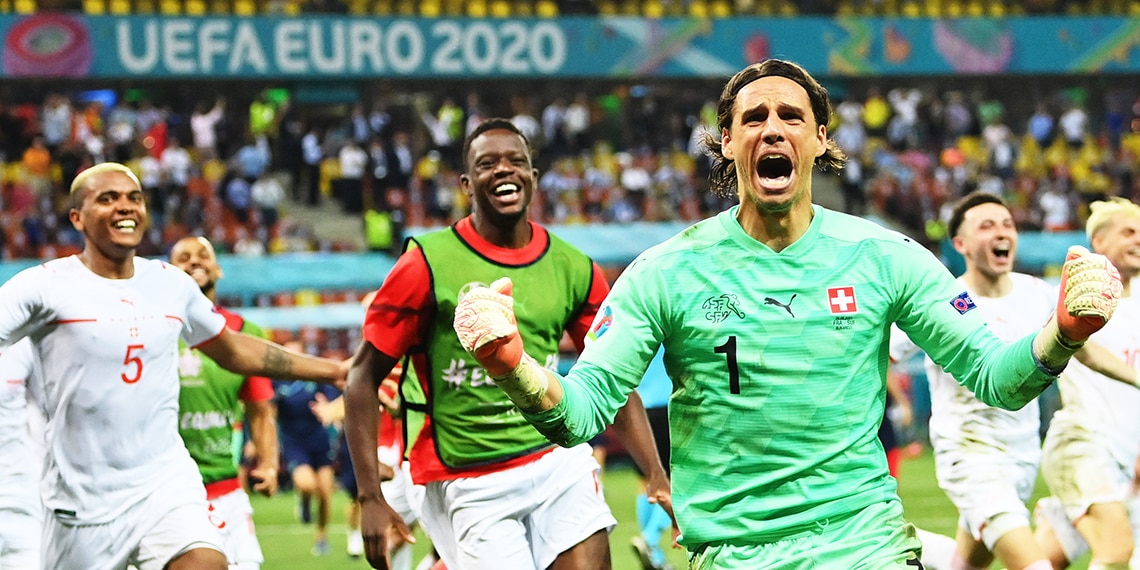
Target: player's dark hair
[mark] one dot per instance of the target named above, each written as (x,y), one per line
(968,202)
(722,177)
(493,124)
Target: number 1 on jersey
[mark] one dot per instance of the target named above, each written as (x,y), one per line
(728,349)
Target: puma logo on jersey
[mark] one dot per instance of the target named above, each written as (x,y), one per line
(787,307)
(721,306)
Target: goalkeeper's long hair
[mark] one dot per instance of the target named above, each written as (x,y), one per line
(722,177)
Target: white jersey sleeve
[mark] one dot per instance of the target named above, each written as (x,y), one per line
(21,456)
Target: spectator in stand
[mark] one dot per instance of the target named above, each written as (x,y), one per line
(266,195)
(1074,124)
(176,164)
(1040,125)
(204,128)
(349,189)
(37,168)
(56,121)
(251,160)
(312,155)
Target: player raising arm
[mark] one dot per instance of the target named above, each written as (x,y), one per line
(777,405)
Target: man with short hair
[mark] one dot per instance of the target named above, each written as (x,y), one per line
(1093,441)
(986,458)
(213,402)
(774,317)
(120,487)
(497,494)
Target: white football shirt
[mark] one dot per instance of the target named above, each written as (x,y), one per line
(109,353)
(958,420)
(1110,410)
(21,458)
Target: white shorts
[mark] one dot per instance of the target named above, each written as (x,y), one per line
(233,515)
(404,497)
(174,519)
(1080,471)
(988,489)
(19,539)
(522,518)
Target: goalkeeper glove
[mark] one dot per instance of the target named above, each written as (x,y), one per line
(1090,290)
(486,326)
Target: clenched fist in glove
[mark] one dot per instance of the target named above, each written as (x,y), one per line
(1090,290)
(486,326)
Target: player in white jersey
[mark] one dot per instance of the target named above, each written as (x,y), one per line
(119,487)
(21,459)
(1093,441)
(986,458)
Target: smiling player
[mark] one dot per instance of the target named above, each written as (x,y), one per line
(497,493)
(120,487)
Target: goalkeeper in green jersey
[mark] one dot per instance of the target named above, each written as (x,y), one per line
(774,317)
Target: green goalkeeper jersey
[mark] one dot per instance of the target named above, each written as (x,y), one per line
(779,363)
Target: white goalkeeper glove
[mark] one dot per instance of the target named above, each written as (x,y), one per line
(486,326)
(1090,290)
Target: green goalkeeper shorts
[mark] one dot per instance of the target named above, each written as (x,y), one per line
(875,538)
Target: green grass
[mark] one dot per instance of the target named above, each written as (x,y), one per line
(286,542)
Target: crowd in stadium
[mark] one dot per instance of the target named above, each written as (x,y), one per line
(555,8)
(233,169)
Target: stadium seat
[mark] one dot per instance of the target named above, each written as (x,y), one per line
(170,7)
(975,8)
(195,7)
(405,7)
(720,9)
(608,8)
(145,7)
(653,9)
(94,7)
(453,7)
(522,8)
(549,9)
(787,9)
(220,7)
(500,8)
(358,7)
(245,8)
(119,7)
(24,6)
(629,8)
(382,7)
(477,8)
(431,8)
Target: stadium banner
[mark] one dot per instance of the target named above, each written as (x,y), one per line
(345,47)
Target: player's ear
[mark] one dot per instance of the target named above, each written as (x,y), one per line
(959,244)
(725,145)
(76,223)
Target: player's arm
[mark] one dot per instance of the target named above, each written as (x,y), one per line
(1103,361)
(251,356)
(362,423)
(631,424)
(1004,375)
(261,416)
